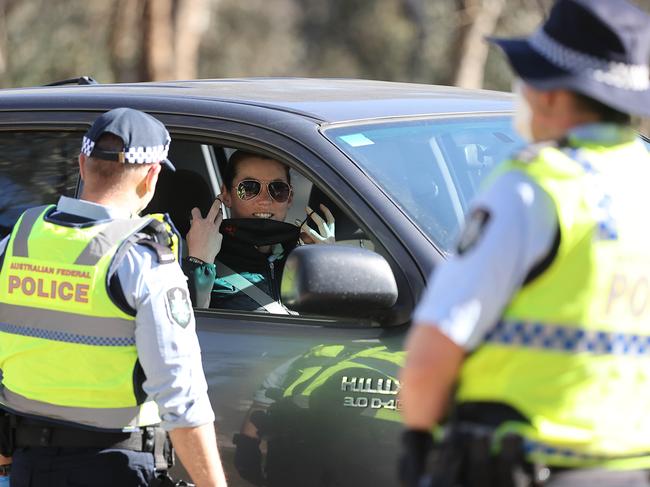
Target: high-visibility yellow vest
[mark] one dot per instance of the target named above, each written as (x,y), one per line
(67,350)
(572,351)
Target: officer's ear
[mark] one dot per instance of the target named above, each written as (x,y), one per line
(151,178)
(82,165)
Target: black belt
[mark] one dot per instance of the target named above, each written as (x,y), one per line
(150,439)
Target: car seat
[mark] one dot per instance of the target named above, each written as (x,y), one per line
(177,193)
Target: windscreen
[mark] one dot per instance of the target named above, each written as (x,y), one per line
(431,168)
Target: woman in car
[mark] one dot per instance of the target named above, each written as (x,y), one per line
(237,263)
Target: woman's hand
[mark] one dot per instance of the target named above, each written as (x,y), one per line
(325,233)
(204,238)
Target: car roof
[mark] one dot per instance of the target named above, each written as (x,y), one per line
(324,100)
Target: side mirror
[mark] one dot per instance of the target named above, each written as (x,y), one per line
(338,280)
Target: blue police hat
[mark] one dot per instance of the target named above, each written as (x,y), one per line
(599,48)
(145,139)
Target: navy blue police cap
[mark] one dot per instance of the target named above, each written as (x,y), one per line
(145,139)
(599,48)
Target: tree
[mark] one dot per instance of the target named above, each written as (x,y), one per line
(158,53)
(6,6)
(125,39)
(477,19)
(157,39)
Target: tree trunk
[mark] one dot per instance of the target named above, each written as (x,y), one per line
(192,20)
(5,9)
(417,65)
(478,19)
(125,39)
(158,41)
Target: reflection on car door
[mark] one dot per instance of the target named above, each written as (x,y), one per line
(327,388)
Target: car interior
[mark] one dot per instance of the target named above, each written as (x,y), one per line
(197,180)
(195,183)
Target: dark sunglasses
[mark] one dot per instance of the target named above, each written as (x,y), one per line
(250,188)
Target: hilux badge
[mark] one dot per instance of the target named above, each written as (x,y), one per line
(373,393)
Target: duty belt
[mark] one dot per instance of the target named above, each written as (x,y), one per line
(150,439)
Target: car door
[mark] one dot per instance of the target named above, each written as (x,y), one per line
(321,391)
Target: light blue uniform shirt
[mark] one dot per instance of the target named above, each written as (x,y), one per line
(168,353)
(468,293)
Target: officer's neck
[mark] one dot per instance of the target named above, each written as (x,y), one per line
(126,203)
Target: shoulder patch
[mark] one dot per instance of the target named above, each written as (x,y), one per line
(474,226)
(178,306)
(530,152)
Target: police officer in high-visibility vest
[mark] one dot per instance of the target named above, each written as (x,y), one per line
(98,348)
(540,327)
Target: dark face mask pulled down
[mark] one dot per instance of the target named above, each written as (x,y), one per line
(260,232)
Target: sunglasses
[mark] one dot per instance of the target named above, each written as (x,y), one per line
(248,189)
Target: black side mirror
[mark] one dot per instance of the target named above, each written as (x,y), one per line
(338,280)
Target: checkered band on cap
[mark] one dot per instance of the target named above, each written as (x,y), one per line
(87,146)
(146,155)
(634,77)
(133,155)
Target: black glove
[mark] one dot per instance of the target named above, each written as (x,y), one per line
(248,458)
(416,446)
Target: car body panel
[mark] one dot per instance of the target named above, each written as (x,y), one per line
(326,100)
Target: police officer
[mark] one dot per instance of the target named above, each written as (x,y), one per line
(539,325)
(98,347)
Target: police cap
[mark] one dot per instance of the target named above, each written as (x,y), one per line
(145,139)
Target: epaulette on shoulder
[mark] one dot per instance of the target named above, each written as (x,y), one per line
(164,254)
(157,238)
(530,152)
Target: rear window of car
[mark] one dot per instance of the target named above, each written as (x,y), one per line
(36,167)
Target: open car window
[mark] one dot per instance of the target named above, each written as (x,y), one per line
(197,182)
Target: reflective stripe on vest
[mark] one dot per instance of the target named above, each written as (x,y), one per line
(571,352)
(570,339)
(123,419)
(66,350)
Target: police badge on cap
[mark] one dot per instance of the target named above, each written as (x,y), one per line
(146,140)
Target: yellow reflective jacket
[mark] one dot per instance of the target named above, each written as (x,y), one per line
(67,350)
(572,351)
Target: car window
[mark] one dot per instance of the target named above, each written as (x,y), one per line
(35,169)
(197,181)
(431,168)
